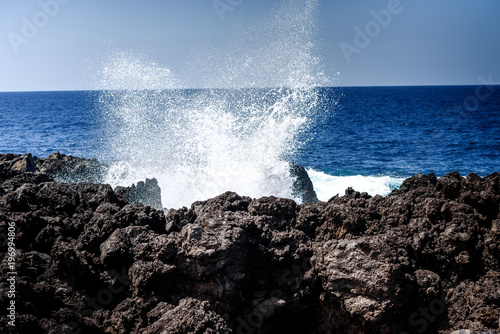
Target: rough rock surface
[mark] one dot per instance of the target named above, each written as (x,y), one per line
(424,259)
(69,169)
(147,193)
(65,168)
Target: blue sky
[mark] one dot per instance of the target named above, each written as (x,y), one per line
(425,42)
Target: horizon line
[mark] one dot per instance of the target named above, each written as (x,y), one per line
(232,88)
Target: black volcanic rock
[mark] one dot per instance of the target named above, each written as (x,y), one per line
(147,193)
(11,165)
(70,169)
(302,184)
(66,168)
(424,259)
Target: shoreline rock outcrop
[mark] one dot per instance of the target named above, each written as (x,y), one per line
(424,259)
(70,169)
(302,185)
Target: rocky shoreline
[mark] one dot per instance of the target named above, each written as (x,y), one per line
(89,259)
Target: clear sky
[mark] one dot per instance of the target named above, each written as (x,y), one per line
(64,44)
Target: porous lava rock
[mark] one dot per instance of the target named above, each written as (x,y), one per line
(424,259)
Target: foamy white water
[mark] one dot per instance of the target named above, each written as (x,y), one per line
(327,186)
(197,148)
(199,144)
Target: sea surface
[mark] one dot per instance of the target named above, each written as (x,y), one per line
(199,143)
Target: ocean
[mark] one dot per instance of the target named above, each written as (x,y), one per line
(200,143)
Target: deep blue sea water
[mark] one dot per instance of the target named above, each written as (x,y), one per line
(370,138)
(408,130)
(44,122)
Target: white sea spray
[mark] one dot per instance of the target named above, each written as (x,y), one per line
(200,143)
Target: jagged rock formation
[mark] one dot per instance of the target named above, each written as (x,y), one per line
(147,193)
(302,185)
(69,169)
(66,168)
(424,259)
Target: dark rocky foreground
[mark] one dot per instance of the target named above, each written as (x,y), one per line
(426,258)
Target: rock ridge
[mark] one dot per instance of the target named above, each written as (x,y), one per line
(424,259)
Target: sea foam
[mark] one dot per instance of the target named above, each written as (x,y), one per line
(327,186)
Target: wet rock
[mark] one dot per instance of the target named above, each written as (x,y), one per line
(147,193)
(302,185)
(65,168)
